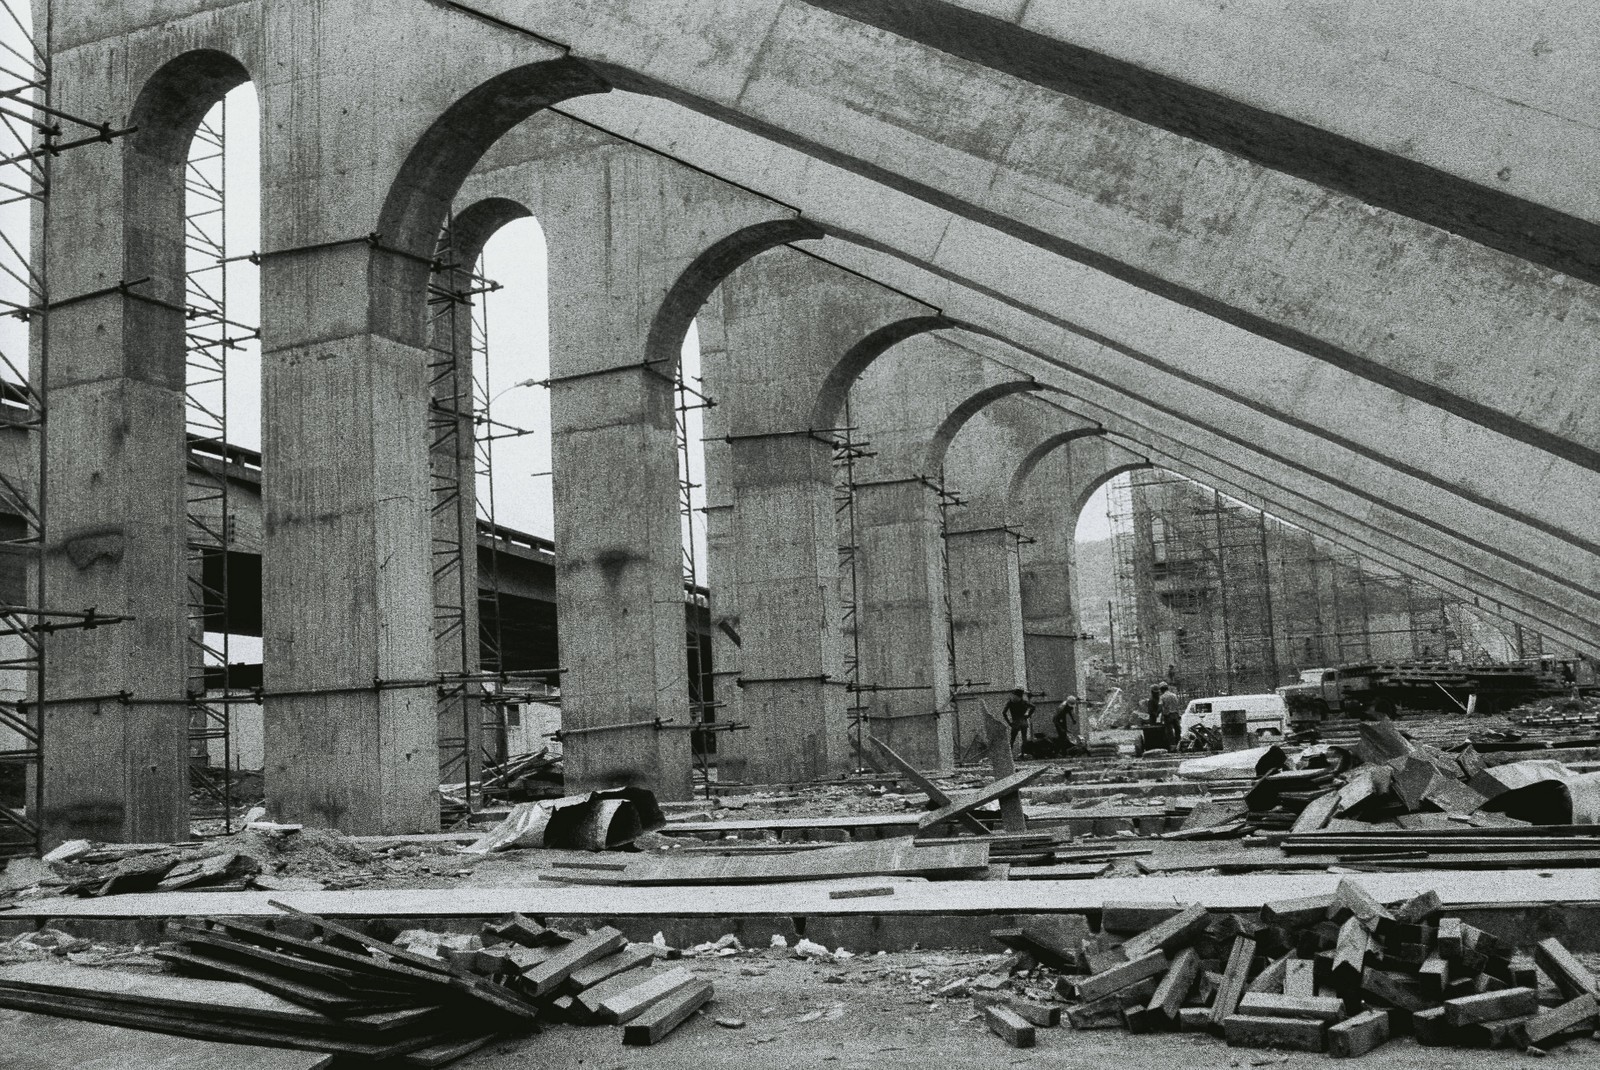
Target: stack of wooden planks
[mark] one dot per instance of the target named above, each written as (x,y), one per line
(1340,973)
(315,984)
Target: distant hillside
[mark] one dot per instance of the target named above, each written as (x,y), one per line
(1096,583)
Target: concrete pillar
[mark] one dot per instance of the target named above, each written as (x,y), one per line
(351,721)
(635,244)
(986,611)
(1050,623)
(1052,486)
(792,323)
(902,620)
(114,474)
(908,405)
(989,462)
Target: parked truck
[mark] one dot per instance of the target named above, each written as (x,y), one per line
(1363,690)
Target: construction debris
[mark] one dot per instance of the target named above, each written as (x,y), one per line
(597,821)
(1340,973)
(313,984)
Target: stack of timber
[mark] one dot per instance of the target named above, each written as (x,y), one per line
(313,984)
(1340,973)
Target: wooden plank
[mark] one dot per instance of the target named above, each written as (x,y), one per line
(1317,813)
(187,1024)
(1274,1005)
(874,858)
(1547,1028)
(1433,977)
(1565,971)
(46,1042)
(1060,872)
(666,1015)
(585,1007)
(1175,986)
(1491,1006)
(1271,979)
(1359,1035)
(1297,913)
(1012,819)
(1419,908)
(1292,1034)
(447,1051)
(1299,978)
(968,803)
(629,958)
(1234,977)
(1136,917)
(1392,990)
(310,996)
(1043,1015)
(934,793)
(628,1004)
(1108,1011)
(1009,1026)
(1180,930)
(1352,897)
(543,979)
(1088,989)
(1351,952)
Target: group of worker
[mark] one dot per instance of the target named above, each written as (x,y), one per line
(1069,739)
(1163,708)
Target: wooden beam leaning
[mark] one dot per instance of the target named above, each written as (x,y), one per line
(935,794)
(1012,818)
(998,790)
(1234,977)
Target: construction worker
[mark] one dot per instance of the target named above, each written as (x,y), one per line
(1017,713)
(1171,714)
(1068,729)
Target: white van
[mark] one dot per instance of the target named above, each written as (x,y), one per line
(1263,714)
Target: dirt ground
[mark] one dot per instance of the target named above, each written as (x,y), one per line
(874,1016)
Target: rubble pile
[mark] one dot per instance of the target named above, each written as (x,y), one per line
(1387,782)
(1340,973)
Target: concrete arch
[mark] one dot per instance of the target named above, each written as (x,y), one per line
(419,198)
(1043,450)
(693,287)
(473,226)
(836,386)
(942,436)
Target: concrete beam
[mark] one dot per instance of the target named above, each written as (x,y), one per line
(1254,247)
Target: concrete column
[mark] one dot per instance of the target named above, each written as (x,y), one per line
(792,323)
(986,614)
(989,463)
(114,478)
(1050,623)
(900,612)
(636,243)
(719,568)
(908,404)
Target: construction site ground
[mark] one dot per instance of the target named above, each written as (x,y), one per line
(868,1012)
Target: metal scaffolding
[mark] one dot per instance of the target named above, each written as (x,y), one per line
(209,337)
(703,704)
(32,134)
(1218,598)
